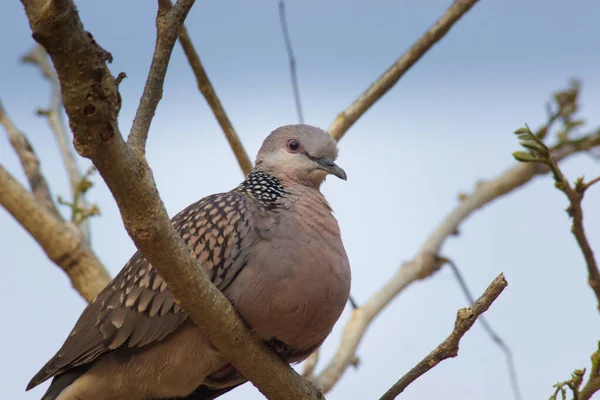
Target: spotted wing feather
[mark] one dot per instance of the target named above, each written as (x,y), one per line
(137,308)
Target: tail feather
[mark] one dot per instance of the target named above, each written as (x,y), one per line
(60,382)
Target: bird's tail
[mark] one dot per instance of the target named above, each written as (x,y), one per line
(60,382)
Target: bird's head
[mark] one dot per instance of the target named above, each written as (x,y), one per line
(299,153)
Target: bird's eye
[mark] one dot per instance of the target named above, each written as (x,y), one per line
(293,145)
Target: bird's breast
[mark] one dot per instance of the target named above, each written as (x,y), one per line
(297,282)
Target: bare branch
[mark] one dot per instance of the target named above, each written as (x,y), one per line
(62,241)
(53,113)
(30,163)
(427,261)
(465,319)
(92,104)
(510,362)
(290,53)
(168,24)
(385,82)
(537,151)
(208,91)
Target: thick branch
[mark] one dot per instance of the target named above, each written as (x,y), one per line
(427,261)
(62,241)
(350,115)
(465,319)
(30,163)
(208,91)
(130,180)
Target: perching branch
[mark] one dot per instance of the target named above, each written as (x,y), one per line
(428,261)
(92,104)
(63,242)
(208,91)
(53,114)
(465,319)
(30,163)
(385,82)
(290,52)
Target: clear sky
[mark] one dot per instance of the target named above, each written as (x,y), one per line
(446,125)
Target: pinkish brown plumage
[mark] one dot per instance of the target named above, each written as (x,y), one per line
(271,245)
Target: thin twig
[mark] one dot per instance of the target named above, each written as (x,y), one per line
(168,25)
(537,151)
(385,82)
(290,53)
(510,362)
(465,319)
(63,242)
(30,163)
(427,261)
(53,114)
(209,93)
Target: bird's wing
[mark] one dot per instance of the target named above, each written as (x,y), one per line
(137,307)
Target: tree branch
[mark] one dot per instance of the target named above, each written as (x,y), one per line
(208,91)
(169,22)
(465,319)
(92,103)
(30,163)
(53,114)
(385,82)
(62,241)
(427,260)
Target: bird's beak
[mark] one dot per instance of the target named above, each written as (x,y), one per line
(327,164)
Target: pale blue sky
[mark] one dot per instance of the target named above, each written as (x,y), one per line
(447,124)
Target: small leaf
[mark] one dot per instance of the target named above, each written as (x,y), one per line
(521,131)
(85,185)
(531,144)
(524,156)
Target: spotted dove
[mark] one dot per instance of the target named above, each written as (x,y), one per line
(271,245)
